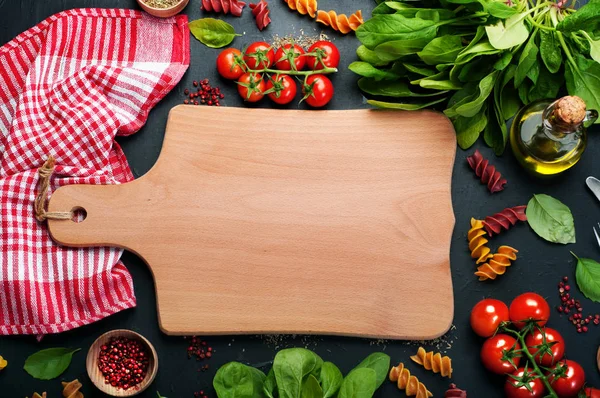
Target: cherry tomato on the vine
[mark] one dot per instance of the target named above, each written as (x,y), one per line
(318,90)
(227,66)
(487,315)
(529,306)
(591,392)
(495,353)
(286,55)
(284,89)
(536,385)
(330,55)
(259,55)
(251,87)
(555,346)
(570,379)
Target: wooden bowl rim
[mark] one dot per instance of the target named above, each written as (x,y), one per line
(91,361)
(161,9)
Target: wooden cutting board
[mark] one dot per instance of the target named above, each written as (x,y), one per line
(287,221)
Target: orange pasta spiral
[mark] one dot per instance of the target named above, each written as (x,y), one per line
(303,6)
(497,263)
(477,241)
(71,389)
(434,361)
(340,22)
(409,383)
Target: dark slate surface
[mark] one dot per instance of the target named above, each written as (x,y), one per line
(539,268)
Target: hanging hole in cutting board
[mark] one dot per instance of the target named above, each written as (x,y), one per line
(78,214)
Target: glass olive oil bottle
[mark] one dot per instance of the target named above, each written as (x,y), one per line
(548,137)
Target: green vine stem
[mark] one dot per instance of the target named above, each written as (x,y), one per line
(323,71)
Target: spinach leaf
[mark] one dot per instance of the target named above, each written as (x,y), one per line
(213,33)
(495,133)
(527,60)
(466,94)
(395,89)
(359,383)
(331,379)
(498,9)
(506,96)
(234,380)
(367,70)
(380,363)
(49,363)
(586,18)
(485,87)
(270,386)
(443,49)
(435,84)
(366,55)
(468,129)
(508,33)
(587,275)
(292,367)
(504,60)
(523,91)
(419,70)
(550,219)
(547,85)
(311,388)
(403,106)
(550,50)
(594,47)
(475,70)
(385,28)
(583,80)
(396,49)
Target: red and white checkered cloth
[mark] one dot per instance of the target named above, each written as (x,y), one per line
(67,87)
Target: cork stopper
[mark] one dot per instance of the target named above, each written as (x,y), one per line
(569,110)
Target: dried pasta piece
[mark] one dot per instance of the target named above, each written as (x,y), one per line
(504,220)
(434,362)
(497,263)
(303,6)
(408,382)
(3,363)
(235,7)
(36,395)
(477,242)
(260,11)
(455,392)
(486,172)
(71,389)
(340,22)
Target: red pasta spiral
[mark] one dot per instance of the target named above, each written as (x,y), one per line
(235,7)
(486,172)
(504,220)
(260,11)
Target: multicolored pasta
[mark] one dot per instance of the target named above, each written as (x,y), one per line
(303,6)
(260,11)
(504,220)
(340,22)
(408,382)
(477,242)
(434,362)
(497,264)
(486,172)
(235,7)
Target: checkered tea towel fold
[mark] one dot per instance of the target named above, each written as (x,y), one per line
(68,86)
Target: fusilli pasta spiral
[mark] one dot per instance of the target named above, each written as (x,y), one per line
(486,172)
(260,11)
(505,219)
(477,241)
(434,362)
(408,382)
(340,22)
(303,6)
(497,263)
(235,7)
(71,389)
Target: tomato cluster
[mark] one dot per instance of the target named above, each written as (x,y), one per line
(519,345)
(261,71)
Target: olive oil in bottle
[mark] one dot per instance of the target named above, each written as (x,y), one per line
(548,137)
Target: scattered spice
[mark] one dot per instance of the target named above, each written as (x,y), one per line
(200,394)
(455,392)
(201,350)
(569,305)
(205,95)
(302,40)
(161,3)
(123,362)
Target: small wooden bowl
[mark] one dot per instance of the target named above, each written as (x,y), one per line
(96,376)
(164,12)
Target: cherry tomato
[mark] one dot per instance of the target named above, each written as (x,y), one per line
(251,87)
(494,349)
(536,338)
(284,89)
(318,90)
(570,381)
(487,315)
(329,53)
(285,54)
(529,306)
(259,55)
(227,66)
(592,392)
(536,385)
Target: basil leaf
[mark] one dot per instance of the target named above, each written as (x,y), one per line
(359,383)
(586,18)
(468,129)
(366,55)
(508,33)
(403,106)
(258,381)
(292,367)
(385,28)
(551,219)
(234,380)
(526,61)
(49,363)
(380,363)
(583,80)
(587,275)
(550,51)
(270,386)
(443,49)
(367,70)
(213,33)
(331,379)
(311,388)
